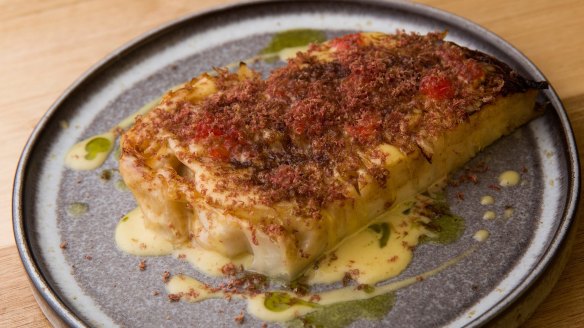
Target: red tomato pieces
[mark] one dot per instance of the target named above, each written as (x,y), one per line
(437,87)
(366,129)
(221,142)
(346,42)
(219,153)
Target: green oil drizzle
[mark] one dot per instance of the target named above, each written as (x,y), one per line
(383,229)
(448,229)
(368,288)
(96,146)
(298,286)
(446,226)
(106,175)
(280,301)
(121,185)
(77,209)
(293,38)
(342,314)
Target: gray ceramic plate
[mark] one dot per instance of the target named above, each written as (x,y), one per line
(108,290)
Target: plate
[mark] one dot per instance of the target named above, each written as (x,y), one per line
(92,283)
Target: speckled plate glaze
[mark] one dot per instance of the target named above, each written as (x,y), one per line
(109,290)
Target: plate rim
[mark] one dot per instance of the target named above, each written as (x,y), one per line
(68,316)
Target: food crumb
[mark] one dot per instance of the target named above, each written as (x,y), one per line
(192,293)
(332,257)
(495,187)
(347,278)
(155,293)
(165,276)
(142,265)
(314,298)
(316,265)
(174,297)
(106,175)
(460,195)
(264,325)
(229,269)
(419,278)
(64,245)
(88,257)
(240,318)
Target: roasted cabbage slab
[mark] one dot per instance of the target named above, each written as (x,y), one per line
(287,167)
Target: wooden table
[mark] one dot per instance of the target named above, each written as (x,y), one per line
(46,45)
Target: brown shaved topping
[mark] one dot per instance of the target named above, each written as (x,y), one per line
(174,297)
(229,269)
(494,187)
(347,278)
(297,135)
(165,276)
(314,298)
(460,195)
(240,318)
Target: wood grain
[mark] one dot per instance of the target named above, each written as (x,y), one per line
(46,45)
(17,305)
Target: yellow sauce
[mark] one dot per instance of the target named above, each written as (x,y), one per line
(509,178)
(209,262)
(288,53)
(134,238)
(360,252)
(489,215)
(508,213)
(363,252)
(487,200)
(192,290)
(80,156)
(481,235)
